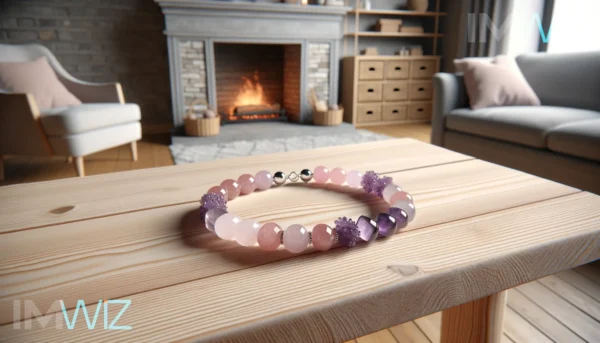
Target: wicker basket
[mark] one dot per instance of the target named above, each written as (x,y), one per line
(328,118)
(201,127)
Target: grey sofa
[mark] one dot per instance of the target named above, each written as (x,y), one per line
(559,140)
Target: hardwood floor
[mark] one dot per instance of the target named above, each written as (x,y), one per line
(564,307)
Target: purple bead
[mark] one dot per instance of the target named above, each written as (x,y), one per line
(381,184)
(347,231)
(400,216)
(367,228)
(369,181)
(386,224)
(210,201)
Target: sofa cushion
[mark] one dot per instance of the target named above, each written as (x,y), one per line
(516,124)
(38,78)
(581,139)
(62,121)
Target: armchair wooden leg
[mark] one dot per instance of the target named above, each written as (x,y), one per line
(1,167)
(69,159)
(79,166)
(134,155)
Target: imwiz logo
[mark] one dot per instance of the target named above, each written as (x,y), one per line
(478,33)
(30,310)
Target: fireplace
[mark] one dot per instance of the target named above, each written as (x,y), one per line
(252,60)
(257,82)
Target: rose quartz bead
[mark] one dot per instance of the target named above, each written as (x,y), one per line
(389,191)
(246,182)
(338,176)
(263,180)
(225,226)
(211,216)
(269,237)
(354,178)
(296,238)
(321,174)
(400,196)
(232,187)
(246,232)
(323,237)
(219,190)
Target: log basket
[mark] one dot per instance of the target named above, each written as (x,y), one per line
(201,127)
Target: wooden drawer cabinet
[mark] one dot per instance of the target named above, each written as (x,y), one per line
(370,70)
(369,91)
(380,90)
(397,70)
(395,91)
(420,91)
(393,112)
(422,69)
(419,111)
(367,113)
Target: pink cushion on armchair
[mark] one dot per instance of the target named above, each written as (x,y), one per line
(498,82)
(38,78)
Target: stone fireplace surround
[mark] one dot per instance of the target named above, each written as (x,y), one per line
(194,26)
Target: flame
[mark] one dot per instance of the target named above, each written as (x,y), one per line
(250,93)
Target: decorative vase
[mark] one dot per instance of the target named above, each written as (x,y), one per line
(418,5)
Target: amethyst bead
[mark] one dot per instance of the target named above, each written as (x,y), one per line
(400,216)
(347,231)
(386,224)
(367,228)
(210,201)
(381,184)
(369,181)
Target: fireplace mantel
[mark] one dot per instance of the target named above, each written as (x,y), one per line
(199,24)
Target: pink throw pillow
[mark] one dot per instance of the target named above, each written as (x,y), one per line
(496,83)
(38,78)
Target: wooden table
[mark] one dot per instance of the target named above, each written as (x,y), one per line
(480,229)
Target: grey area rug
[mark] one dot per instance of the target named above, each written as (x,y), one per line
(249,141)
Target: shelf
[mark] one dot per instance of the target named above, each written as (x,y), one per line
(397,12)
(394,34)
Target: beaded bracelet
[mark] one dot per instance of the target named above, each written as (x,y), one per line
(296,238)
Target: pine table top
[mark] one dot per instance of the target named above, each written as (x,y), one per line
(480,229)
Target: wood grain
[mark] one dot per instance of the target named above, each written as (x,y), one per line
(132,249)
(317,298)
(520,331)
(480,321)
(31,205)
(580,282)
(408,332)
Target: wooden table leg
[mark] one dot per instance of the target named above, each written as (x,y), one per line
(478,321)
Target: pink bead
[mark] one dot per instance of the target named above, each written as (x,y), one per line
(323,237)
(246,232)
(338,176)
(246,182)
(296,238)
(321,174)
(354,178)
(225,226)
(389,191)
(400,196)
(263,180)
(219,190)
(233,188)
(269,237)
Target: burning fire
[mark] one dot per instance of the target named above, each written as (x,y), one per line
(251,93)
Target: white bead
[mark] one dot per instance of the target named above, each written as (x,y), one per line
(407,207)
(389,191)
(246,232)
(225,226)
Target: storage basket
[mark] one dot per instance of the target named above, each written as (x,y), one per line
(328,118)
(201,127)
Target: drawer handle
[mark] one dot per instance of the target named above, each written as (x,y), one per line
(371,68)
(421,89)
(396,89)
(395,111)
(420,110)
(398,68)
(369,113)
(423,67)
(370,90)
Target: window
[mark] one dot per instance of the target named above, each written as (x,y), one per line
(574,26)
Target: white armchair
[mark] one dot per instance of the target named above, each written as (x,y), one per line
(102,121)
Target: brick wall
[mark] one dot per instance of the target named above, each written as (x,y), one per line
(100,41)
(291,86)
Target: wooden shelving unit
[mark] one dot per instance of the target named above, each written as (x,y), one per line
(397,12)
